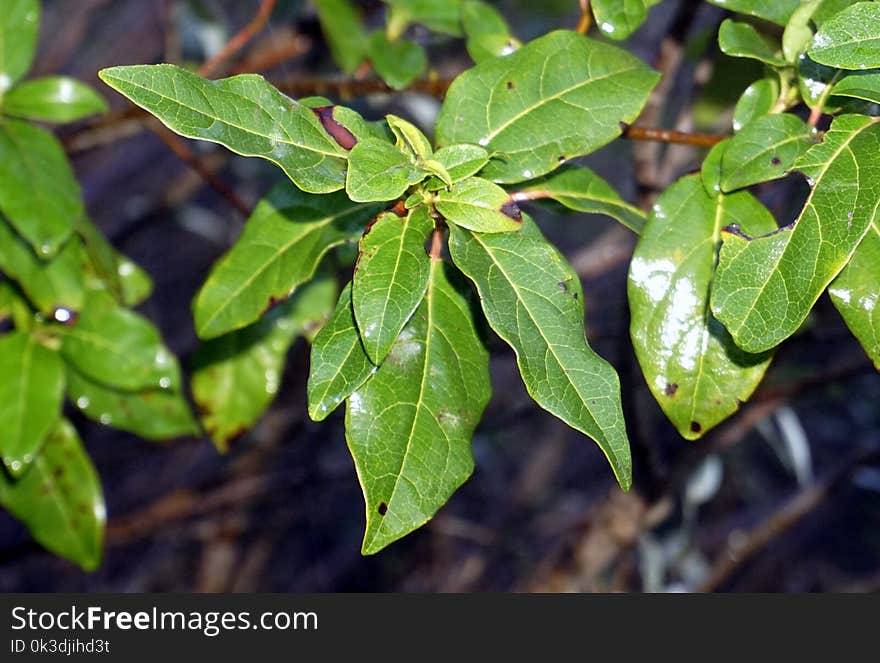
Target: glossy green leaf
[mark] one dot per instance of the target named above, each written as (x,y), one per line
(531,298)
(279,248)
(53,99)
(19,25)
(436,16)
(410,139)
(620,18)
(710,171)
(580,189)
(694,369)
(117,347)
(243,113)
(378,171)
(126,281)
(486,30)
(339,363)
(38,193)
(15,307)
(154,414)
(859,86)
(409,427)
(826,9)
(758,100)
(390,278)
(136,283)
(798,31)
(741,40)
(398,62)
(237,375)
(31,389)
(60,500)
(460,161)
(480,205)
(764,150)
(766,286)
(558,97)
(775,11)
(48,284)
(850,39)
(856,290)
(343,28)
(815,82)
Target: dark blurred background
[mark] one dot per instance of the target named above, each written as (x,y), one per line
(785,496)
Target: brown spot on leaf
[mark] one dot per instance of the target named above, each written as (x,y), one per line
(343,137)
(696,427)
(670,389)
(561,158)
(511,209)
(399,208)
(775,161)
(510,85)
(383,508)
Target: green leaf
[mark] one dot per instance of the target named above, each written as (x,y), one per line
(410,139)
(580,189)
(117,347)
(460,161)
(766,286)
(558,97)
(398,62)
(620,18)
(436,16)
(136,283)
(390,278)
(409,427)
(237,375)
(764,150)
(14,307)
(154,414)
(859,86)
(243,113)
(694,369)
(38,193)
(850,39)
(486,30)
(280,248)
(775,11)
(741,40)
(58,282)
(31,388)
(339,363)
(826,9)
(19,25)
(53,99)
(798,31)
(478,204)
(759,99)
(126,281)
(710,172)
(815,82)
(343,28)
(531,298)
(60,500)
(856,290)
(378,171)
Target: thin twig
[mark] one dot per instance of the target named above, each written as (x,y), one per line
(586,20)
(240,39)
(671,136)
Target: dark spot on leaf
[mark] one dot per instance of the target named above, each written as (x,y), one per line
(775,161)
(343,137)
(696,427)
(670,389)
(561,158)
(383,508)
(511,209)
(734,229)
(399,208)
(510,85)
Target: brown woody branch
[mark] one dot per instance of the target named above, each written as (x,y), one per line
(240,39)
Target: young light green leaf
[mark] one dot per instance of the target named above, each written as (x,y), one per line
(486,30)
(764,150)
(558,97)
(154,414)
(343,28)
(390,278)
(620,18)
(741,40)
(409,427)
(859,86)
(436,16)
(38,193)
(280,248)
(19,25)
(758,100)
(243,113)
(410,139)
(531,298)
(694,369)
(775,11)
(710,171)
(856,290)
(397,62)
(117,347)
(580,189)
(53,99)
(460,161)
(480,205)
(378,171)
(237,375)
(339,364)
(798,31)
(766,286)
(14,307)
(31,389)
(60,500)
(48,284)
(850,39)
